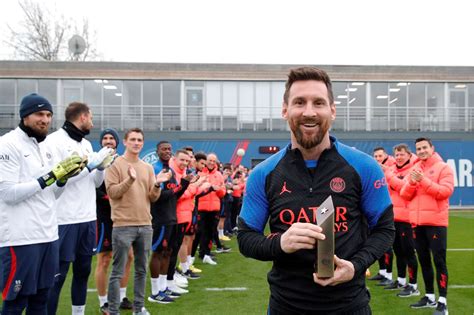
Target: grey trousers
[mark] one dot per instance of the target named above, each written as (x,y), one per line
(122,238)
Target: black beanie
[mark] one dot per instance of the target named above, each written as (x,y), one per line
(34,103)
(110,131)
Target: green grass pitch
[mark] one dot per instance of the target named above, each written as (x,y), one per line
(235,271)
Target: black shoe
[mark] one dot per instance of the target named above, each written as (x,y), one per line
(441,309)
(385,282)
(408,291)
(394,286)
(126,304)
(424,302)
(377,277)
(104,309)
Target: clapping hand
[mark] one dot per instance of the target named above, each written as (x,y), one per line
(163,176)
(132,172)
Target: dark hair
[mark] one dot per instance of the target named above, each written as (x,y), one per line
(129,131)
(379,148)
(76,109)
(402,147)
(161,142)
(307,74)
(188,148)
(227,166)
(200,156)
(424,139)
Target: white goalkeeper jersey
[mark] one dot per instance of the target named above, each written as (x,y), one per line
(77,202)
(27,214)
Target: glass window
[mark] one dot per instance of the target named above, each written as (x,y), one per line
(25,87)
(152,119)
(434,121)
(194,108)
(213,99)
(246,105)
(7,92)
(379,110)
(262,106)
(9,116)
(93,92)
(397,103)
(457,107)
(342,121)
(151,92)
(48,89)
(113,104)
(171,105)
(416,104)
(132,93)
(278,90)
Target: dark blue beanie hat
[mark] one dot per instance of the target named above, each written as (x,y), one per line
(34,103)
(110,131)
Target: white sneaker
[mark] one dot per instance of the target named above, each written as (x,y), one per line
(142,312)
(175,288)
(180,280)
(208,260)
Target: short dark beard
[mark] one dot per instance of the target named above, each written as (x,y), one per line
(311,143)
(33,133)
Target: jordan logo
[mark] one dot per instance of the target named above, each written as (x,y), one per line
(284,189)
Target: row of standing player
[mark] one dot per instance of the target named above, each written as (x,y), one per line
(48,215)
(420,186)
(197,203)
(49,220)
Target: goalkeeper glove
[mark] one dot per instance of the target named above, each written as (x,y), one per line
(68,167)
(97,158)
(107,162)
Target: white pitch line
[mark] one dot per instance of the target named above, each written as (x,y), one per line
(461,286)
(92,290)
(460,249)
(227,289)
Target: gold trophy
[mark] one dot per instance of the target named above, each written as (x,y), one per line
(325,249)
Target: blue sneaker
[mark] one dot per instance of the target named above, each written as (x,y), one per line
(161,297)
(172,294)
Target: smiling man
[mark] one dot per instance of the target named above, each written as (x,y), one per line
(428,186)
(29,185)
(286,189)
(132,187)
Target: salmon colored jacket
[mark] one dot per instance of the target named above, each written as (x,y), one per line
(185,204)
(212,200)
(395,181)
(429,199)
(238,190)
(389,161)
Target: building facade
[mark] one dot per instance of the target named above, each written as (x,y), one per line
(224,107)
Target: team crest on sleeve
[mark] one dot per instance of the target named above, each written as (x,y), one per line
(337,184)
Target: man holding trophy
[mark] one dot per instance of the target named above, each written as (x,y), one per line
(327,205)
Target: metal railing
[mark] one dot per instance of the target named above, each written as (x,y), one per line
(207,118)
